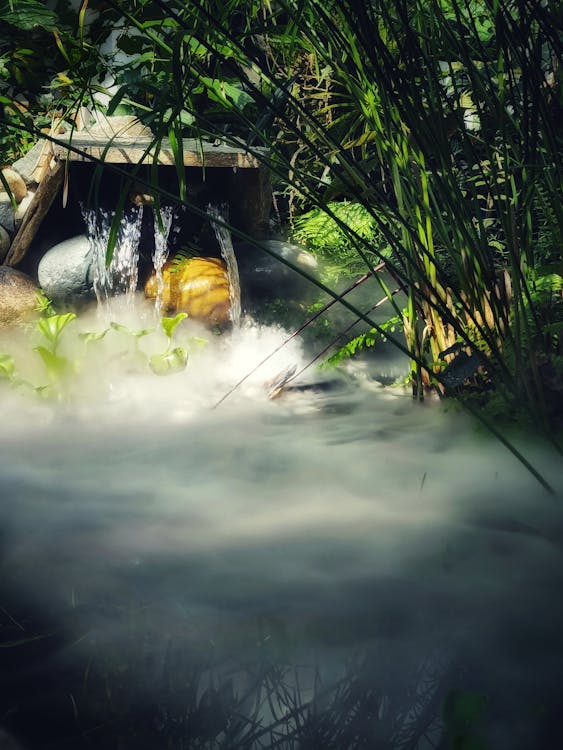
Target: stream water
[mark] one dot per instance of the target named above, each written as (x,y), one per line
(120,277)
(161,250)
(224,239)
(330,569)
(315,571)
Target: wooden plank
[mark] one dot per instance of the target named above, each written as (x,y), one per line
(128,150)
(36,212)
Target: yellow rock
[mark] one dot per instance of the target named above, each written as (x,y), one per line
(196,286)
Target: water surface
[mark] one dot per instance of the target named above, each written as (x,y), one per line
(173,558)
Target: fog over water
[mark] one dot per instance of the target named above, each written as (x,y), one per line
(317,528)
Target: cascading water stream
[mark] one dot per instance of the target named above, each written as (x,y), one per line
(120,277)
(226,245)
(160,254)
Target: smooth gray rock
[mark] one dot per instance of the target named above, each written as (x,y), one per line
(65,272)
(265,276)
(18,296)
(6,213)
(4,243)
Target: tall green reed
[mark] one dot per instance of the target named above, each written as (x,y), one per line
(438,117)
(441,125)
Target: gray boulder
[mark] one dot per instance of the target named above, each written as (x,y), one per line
(18,296)
(65,271)
(264,276)
(7,219)
(4,243)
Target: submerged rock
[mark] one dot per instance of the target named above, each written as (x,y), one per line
(65,271)
(196,286)
(265,276)
(18,296)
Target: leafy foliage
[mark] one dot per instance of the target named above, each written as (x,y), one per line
(327,240)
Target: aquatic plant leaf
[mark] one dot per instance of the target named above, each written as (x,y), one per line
(170,362)
(169,324)
(197,342)
(89,336)
(53,326)
(7,366)
(55,365)
(129,332)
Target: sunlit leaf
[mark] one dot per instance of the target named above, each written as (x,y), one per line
(7,366)
(90,336)
(55,365)
(53,326)
(129,332)
(169,324)
(173,361)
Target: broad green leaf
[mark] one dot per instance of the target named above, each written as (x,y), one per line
(7,366)
(169,362)
(169,324)
(90,336)
(28,14)
(55,365)
(53,326)
(223,92)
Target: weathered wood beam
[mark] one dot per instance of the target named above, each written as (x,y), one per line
(131,150)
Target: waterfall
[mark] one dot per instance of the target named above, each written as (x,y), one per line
(120,277)
(226,245)
(160,254)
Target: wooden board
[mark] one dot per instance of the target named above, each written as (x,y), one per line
(36,212)
(139,149)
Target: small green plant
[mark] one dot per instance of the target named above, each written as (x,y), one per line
(44,304)
(170,360)
(134,335)
(51,329)
(7,367)
(89,337)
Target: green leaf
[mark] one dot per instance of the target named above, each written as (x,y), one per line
(53,326)
(129,332)
(169,324)
(55,365)
(169,362)
(7,366)
(90,336)
(28,14)
(225,93)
